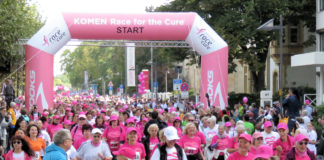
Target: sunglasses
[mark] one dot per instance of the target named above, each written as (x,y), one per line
(191,120)
(260,138)
(96,136)
(16,142)
(301,143)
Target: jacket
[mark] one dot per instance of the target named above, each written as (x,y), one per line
(9,156)
(54,152)
(292,105)
(291,154)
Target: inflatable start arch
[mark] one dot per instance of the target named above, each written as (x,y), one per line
(40,49)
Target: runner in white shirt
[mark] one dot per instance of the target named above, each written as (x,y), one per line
(269,136)
(211,130)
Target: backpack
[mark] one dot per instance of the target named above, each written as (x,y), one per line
(163,153)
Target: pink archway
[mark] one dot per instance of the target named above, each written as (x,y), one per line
(190,27)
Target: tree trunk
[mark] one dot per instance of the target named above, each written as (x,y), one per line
(258,80)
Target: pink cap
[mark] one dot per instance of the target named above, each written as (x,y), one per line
(282,126)
(45,114)
(300,137)
(307,102)
(67,122)
(103,110)
(267,124)
(82,116)
(131,129)
(130,120)
(177,118)
(121,110)
(145,119)
(257,135)
(161,111)
(56,117)
(68,109)
(70,114)
(246,137)
(113,118)
(128,152)
(228,124)
(264,151)
(85,106)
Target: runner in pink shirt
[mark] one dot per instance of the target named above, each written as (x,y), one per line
(284,144)
(55,126)
(131,135)
(177,125)
(190,142)
(242,153)
(219,143)
(240,129)
(86,135)
(113,133)
(300,151)
(257,141)
(76,131)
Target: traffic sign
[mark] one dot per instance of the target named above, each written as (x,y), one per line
(184,87)
(176,84)
(121,86)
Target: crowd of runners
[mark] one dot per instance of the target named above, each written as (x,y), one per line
(87,127)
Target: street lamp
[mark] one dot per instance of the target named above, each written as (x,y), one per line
(267,27)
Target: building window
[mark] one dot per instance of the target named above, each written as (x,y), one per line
(321,5)
(293,34)
(322,42)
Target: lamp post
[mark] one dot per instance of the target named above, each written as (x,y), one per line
(269,26)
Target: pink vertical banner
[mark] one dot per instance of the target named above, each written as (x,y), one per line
(39,78)
(214,70)
(146,78)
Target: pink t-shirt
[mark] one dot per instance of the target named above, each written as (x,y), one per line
(52,129)
(139,149)
(234,142)
(78,143)
(191,146)
(179,131)
(170,124)
(286,146)
(76,133)
(113,136)
(253,150)
(201,136)
(302,158)
(238,156)
(153,143)
(223,142)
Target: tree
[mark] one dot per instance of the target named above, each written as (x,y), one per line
(236,21)
(18,20)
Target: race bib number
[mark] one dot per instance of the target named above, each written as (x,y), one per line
(138,156)
(114,144)
(190,150)
(37,156)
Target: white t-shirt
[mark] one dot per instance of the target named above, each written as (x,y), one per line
(171,154)
(210,133)
(312,137)
(19,156)
(87,151)
(269,139)
(71,153)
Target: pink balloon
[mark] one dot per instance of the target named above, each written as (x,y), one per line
(245,100)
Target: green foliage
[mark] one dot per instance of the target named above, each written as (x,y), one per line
(235,98)
(236,21)
(18,20)
(320,113)
(62,80)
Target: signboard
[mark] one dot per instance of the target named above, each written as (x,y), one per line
(185,95)
(155,87)
(121,89)
(266,98)
(184,87)
(130,52)
(110,88)
(176,84)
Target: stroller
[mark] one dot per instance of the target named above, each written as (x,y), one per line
(320,148)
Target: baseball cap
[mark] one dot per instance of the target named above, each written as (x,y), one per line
(131,129)
(300,137)
(257,135)
(145,119)
(56,117)
(307,102)
(96,130)
(267,124)
(177,118)
(70,114)
(126,151)
(246,137)
(130,120)
(82,116)
(68,109)
(228,124)
(113,118)
(171,133)
(282,126)
(67,122)
(45,114)
(264,151)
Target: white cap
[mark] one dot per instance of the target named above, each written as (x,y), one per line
(171,133)
(12,104)
(96,130)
